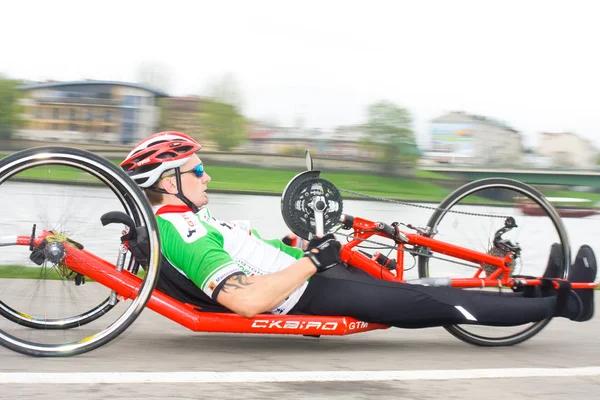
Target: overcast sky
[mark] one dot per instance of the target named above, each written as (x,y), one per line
(533,64)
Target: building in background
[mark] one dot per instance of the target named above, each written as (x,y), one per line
(567,150)
(461,138)
(89,112)
(268,139)
(343,142)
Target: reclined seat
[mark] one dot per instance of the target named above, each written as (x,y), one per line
(176,285)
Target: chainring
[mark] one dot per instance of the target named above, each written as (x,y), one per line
(298,200)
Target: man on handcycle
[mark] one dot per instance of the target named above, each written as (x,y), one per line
(221,266)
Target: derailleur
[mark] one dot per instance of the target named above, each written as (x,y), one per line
(505,244)
(501,247)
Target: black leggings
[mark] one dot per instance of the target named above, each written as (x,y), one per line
(349,291)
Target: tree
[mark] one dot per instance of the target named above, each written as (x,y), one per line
(390,135)
(223,124)
(221,117)
(10,109)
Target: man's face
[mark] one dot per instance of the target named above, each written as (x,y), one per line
(193,187)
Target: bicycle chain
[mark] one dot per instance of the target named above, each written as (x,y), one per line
(406,203)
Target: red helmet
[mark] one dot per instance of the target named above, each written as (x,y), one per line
(156,154)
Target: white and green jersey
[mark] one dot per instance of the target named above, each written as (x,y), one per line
(209,251)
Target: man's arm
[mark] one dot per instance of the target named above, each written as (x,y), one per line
(252,295)
(249,296)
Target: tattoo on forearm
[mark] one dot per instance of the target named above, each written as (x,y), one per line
(236,282)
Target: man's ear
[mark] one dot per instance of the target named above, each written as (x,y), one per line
(169,185)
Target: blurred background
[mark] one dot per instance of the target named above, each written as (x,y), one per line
(424,93)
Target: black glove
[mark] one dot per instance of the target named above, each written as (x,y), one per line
(139,245)
(327,254)
(316,241)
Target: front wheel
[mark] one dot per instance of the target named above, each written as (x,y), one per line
(65,191)
(469,217)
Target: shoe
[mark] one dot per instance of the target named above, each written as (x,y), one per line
(584,269)
(553,270)
(555,262)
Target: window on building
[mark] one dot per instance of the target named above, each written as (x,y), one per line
(131,100)
(72,114)
(107,116)
(55,113)
(107,129)
(90,115)
(38,112)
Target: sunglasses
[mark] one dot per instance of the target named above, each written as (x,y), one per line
(198,170)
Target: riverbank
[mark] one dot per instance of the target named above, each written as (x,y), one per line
(245,180)
(425,186)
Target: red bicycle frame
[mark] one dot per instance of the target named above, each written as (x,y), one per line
(126,285)
(364,229)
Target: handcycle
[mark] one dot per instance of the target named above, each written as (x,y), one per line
(60,296)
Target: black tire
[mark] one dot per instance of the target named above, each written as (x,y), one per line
(133,203)
(75,321)
(487,187)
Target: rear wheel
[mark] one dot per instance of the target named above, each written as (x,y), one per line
(469,217)
(65,191)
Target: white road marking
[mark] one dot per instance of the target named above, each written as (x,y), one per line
(32,378)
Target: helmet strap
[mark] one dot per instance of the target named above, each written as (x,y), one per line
(179,193)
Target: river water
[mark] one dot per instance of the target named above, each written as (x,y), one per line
(76,210)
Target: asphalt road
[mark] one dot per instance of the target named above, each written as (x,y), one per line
(156,345)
